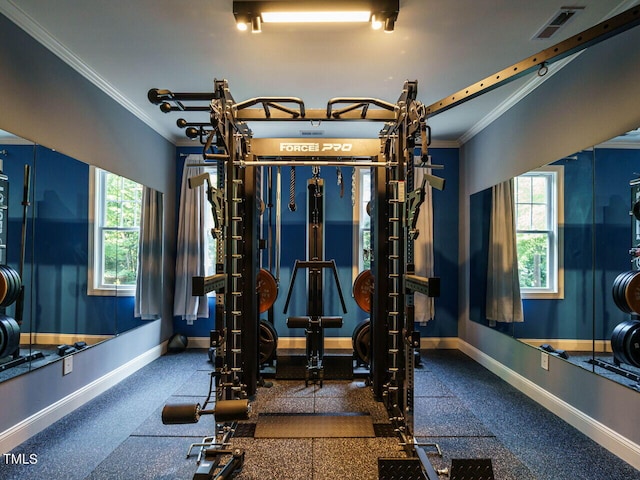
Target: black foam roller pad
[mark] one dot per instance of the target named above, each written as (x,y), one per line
(181,413)
(231,410)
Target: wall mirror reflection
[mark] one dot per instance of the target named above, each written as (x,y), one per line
(81,245)
(563,279)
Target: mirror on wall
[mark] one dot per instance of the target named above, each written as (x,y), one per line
(54,242)
(574,232)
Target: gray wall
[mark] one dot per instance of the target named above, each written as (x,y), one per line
(44,100)
(594,98)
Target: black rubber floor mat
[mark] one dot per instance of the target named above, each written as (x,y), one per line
(314,425)
(294,367)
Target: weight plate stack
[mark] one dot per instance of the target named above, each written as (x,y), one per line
(10,285)
(625,342)
(626,291)
(9,335)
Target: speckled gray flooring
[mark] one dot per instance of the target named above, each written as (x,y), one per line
(461,406)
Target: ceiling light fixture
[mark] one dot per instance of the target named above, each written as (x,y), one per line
(377,12)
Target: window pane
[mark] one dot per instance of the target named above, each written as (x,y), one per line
(210,241)
(120,257)
(523,190)
(533,255)
(539,217)
(112,214)
(523,221)
(539,188)
(130,212)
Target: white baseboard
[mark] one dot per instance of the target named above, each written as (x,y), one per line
(60,338)
(439,343)
(341,343)
(22,431)
(601,346)
(603,435)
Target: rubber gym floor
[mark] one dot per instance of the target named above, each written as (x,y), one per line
(467,410)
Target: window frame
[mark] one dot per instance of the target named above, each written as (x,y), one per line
(555,290)
(209,223)
(96,253)
(359,213)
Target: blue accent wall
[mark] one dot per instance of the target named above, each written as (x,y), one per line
(445,245)
(339,247)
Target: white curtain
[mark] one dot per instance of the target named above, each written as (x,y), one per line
(190,261)
(149,295)
(423,251)
(503,285)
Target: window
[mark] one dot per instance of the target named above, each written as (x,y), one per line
(539,214)
(362,221)
(115,204)
(209,239)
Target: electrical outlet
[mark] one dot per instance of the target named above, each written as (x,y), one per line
(67,365)
(544,360)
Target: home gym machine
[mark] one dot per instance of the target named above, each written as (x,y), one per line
(315,322)
(227,142)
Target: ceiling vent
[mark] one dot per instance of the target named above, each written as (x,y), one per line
(557,22)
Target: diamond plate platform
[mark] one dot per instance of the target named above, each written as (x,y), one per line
(314,425)
(471,469)
(245,430)
(400,469)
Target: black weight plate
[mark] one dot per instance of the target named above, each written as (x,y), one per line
(619,340)
(618,291)
(614,289)
(10,335)
(632,345)
(361,340)
(268,341)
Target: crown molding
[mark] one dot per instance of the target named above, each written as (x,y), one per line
(42,36)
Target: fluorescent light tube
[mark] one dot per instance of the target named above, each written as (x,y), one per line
(308,17)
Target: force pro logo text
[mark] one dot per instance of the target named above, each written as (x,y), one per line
(315,147)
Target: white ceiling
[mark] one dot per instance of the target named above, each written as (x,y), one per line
(129,46)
